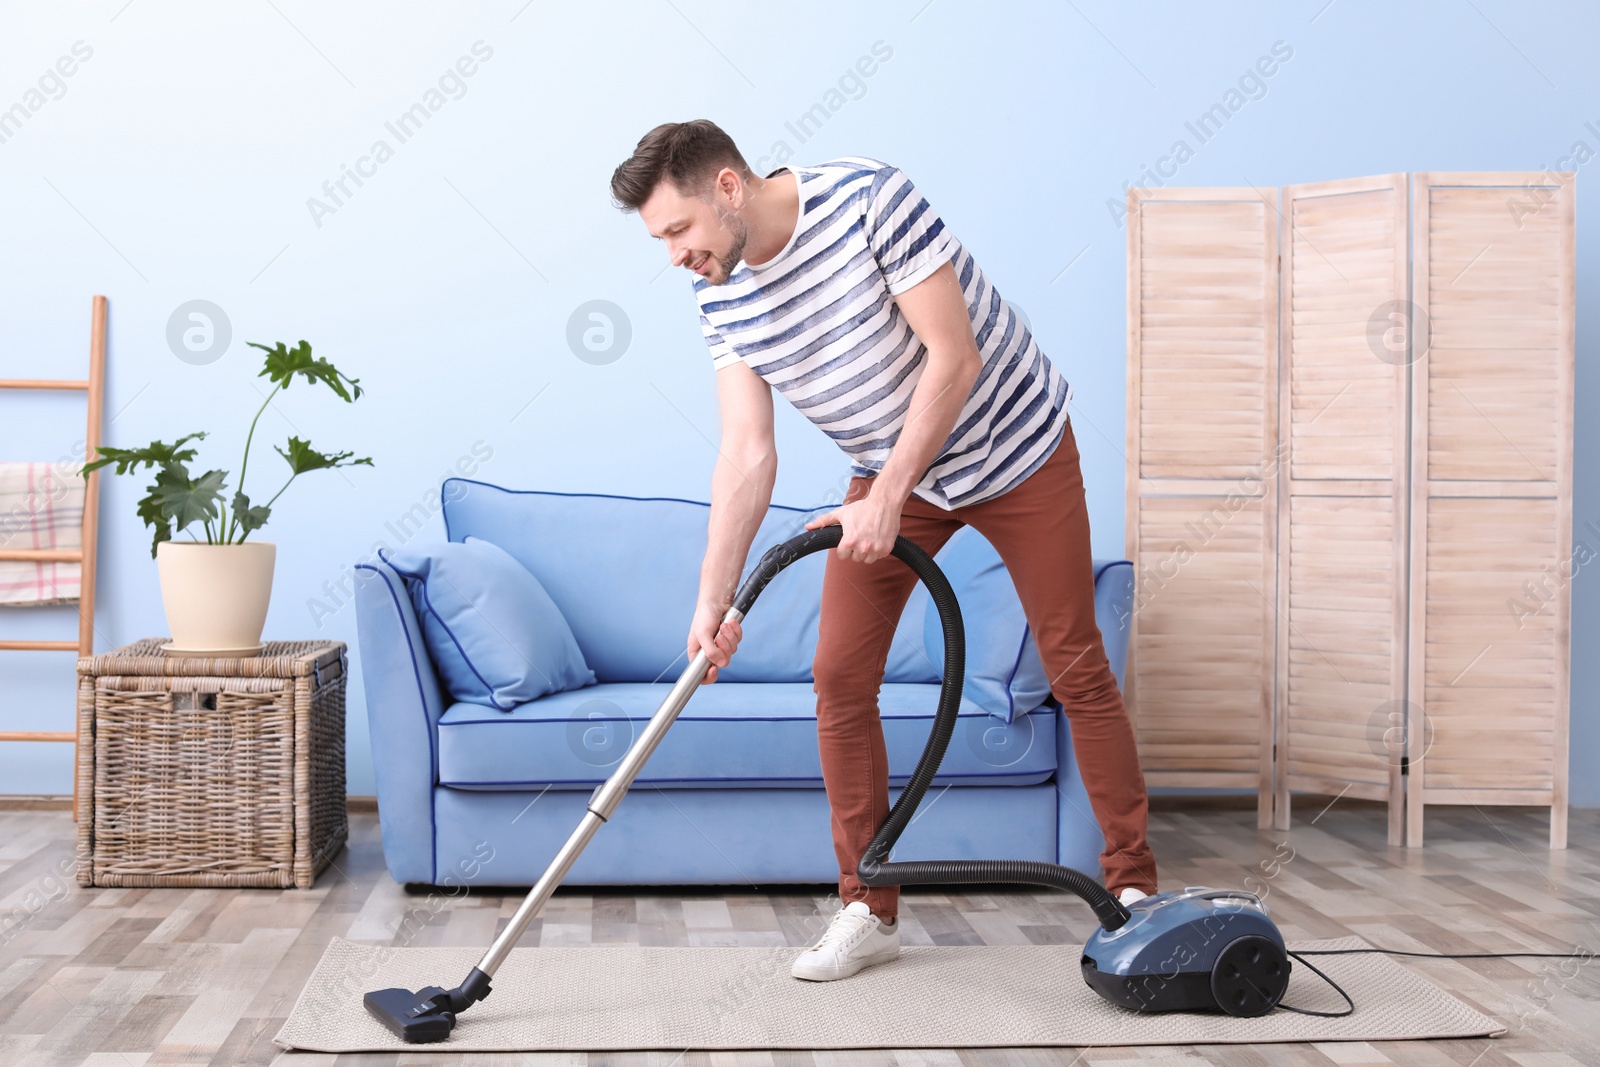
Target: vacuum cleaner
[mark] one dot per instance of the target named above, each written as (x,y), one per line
(1200,949)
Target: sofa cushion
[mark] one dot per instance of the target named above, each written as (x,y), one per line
(491,630)
(730,734)
(1004,674)
(625,572)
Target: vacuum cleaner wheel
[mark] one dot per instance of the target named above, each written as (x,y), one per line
(1250,976)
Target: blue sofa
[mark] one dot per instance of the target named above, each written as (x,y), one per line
(734,794)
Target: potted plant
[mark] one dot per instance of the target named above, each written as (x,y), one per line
(215,592)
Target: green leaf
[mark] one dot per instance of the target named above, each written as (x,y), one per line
(150,512)
(155,454)
(301,457)
(183,499)
(284,363)
(249,518)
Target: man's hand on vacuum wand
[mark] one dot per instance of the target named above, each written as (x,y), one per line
(719,640)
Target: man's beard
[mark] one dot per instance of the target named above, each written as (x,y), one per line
(741,233)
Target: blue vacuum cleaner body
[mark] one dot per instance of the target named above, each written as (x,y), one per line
(1196,950)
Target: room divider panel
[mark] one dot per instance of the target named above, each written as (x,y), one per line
(1349,494)
(1202,448)
(1491,453)
(1341,626)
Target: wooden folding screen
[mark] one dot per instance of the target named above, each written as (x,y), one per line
(1202,447)
(1491,451)
(1351,518)
(1341,626)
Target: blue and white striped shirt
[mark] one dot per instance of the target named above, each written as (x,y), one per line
(816,322)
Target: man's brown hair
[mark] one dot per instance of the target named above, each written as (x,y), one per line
(687,154)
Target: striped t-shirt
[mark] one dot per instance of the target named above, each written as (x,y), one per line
(816,322)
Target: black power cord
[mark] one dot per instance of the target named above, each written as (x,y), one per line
(1350,1005)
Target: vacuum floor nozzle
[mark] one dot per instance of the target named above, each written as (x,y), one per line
(415,1018)
(428,1015)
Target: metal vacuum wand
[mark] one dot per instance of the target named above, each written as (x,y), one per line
(602,804)
(429,1014)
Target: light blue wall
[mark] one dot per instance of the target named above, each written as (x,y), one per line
(178,163)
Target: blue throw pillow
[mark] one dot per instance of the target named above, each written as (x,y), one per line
(493,632)
(1004,674)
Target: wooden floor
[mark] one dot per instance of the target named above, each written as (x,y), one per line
(147,977)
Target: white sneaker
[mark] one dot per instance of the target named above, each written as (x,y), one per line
(854,940)
(1129,894)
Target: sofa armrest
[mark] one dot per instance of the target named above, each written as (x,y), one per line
(403,709)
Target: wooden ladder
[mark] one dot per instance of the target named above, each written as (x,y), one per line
(94,386)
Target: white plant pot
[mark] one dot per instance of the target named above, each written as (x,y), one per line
(216,596)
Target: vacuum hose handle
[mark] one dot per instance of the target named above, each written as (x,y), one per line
(874,868)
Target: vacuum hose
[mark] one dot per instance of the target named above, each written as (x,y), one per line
(874,868)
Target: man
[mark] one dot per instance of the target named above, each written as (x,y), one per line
(840,287)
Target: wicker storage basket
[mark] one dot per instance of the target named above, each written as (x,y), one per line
(211,772)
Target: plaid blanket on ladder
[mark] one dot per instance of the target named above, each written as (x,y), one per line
(41,506)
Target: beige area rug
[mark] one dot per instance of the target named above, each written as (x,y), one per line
(613,997)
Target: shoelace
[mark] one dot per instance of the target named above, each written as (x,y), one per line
(842,931)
